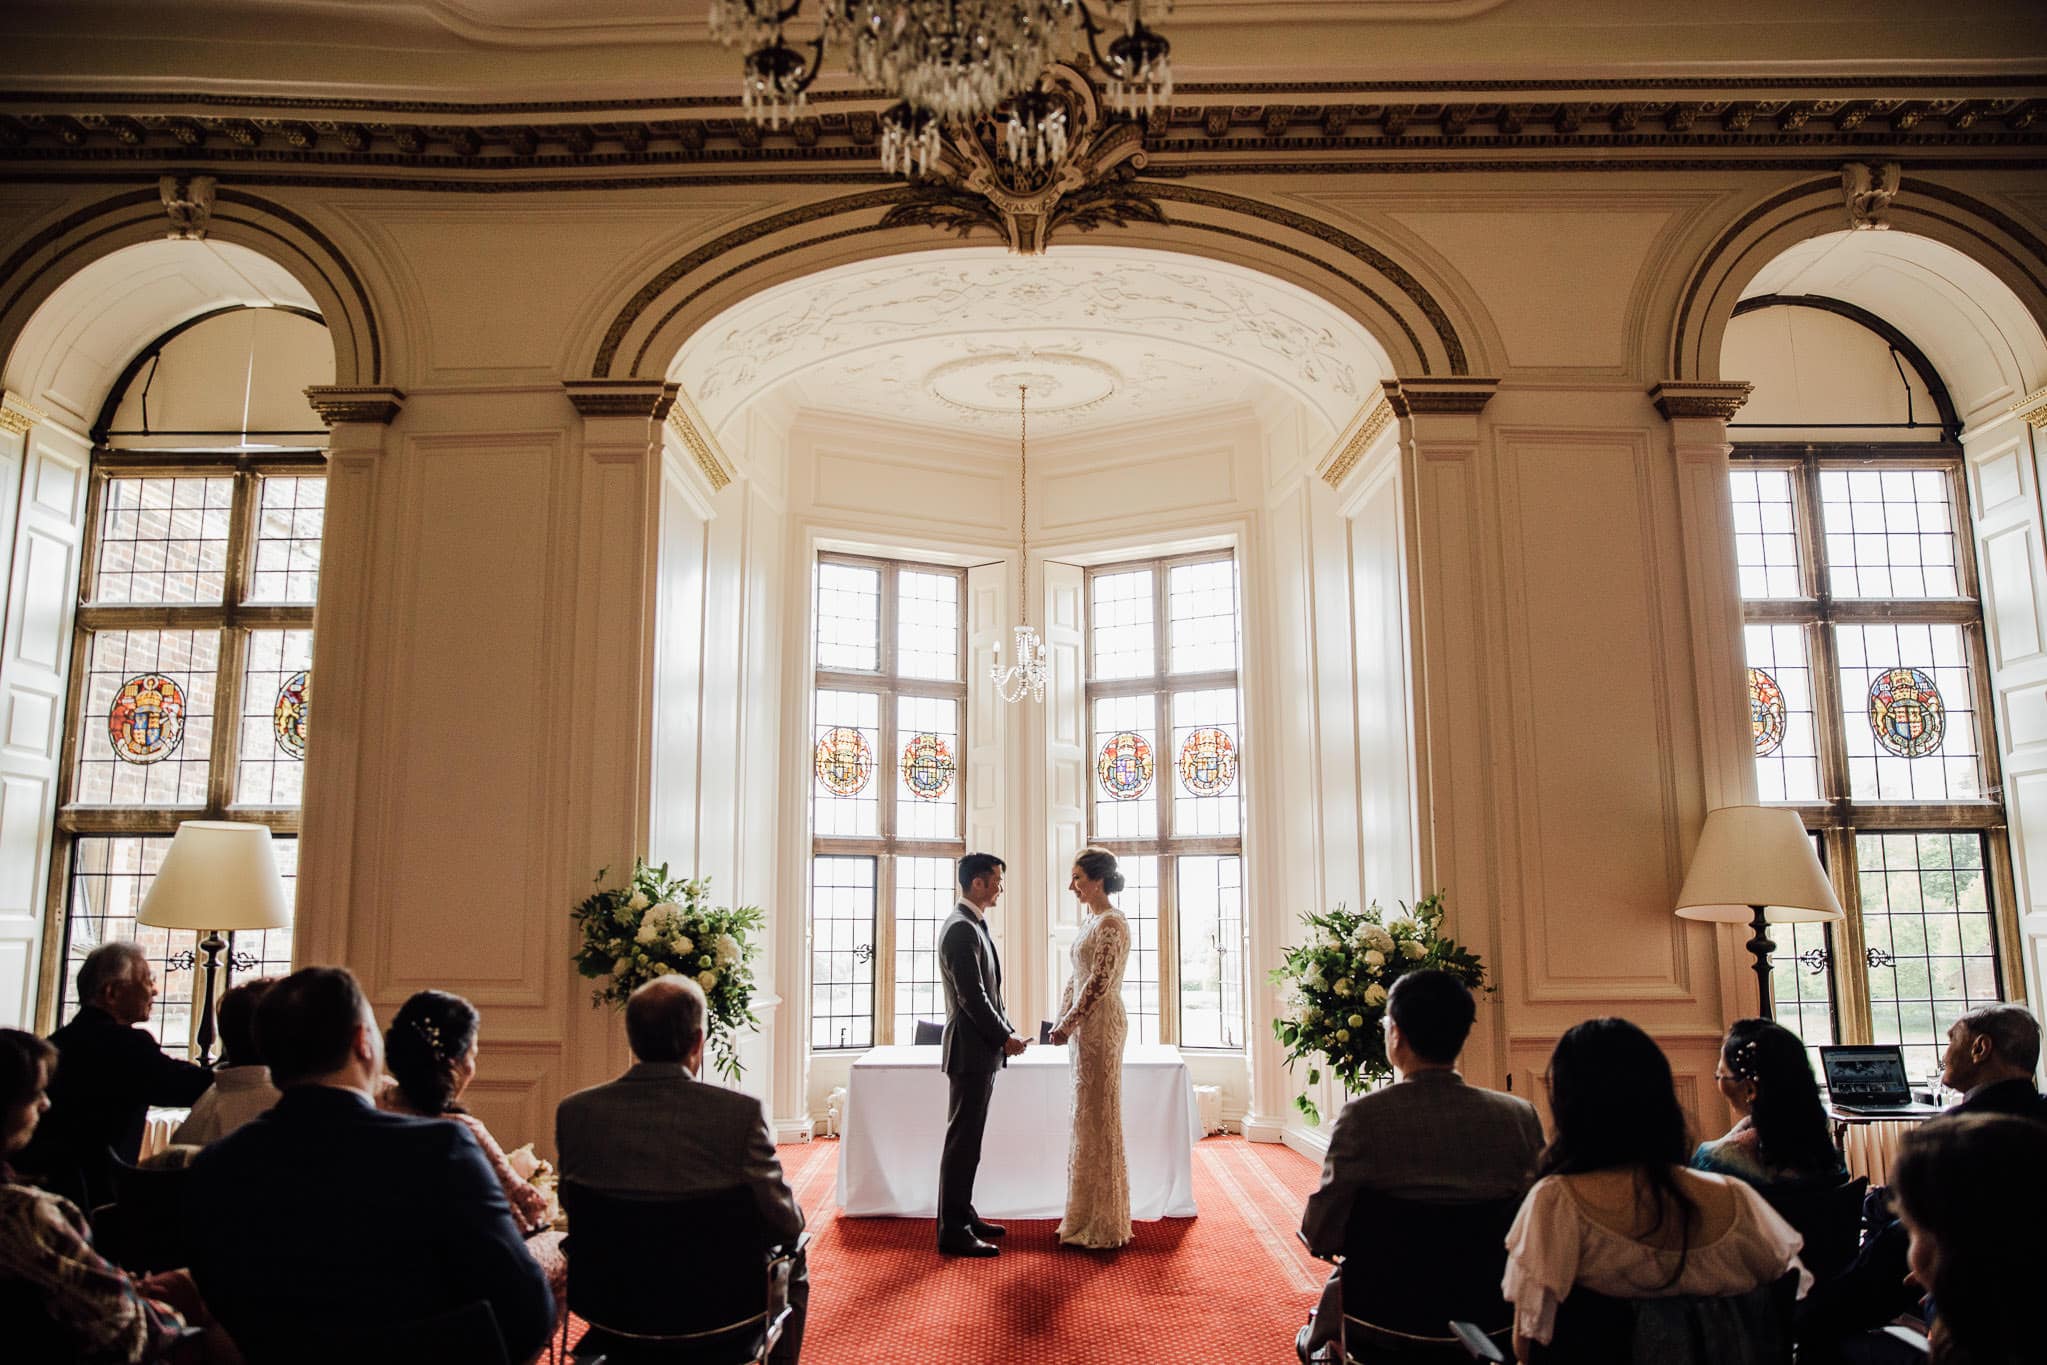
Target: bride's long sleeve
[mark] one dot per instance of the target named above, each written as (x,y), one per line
(1112,945)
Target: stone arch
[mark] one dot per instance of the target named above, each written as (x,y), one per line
(1388,297)
(1990,239)
(40,267)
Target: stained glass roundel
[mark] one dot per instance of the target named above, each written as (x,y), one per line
(1208,761)
(1906,712)
(1765,711)
(928,767)
(1125,766)
(147,719)
(288,718)
(844,762)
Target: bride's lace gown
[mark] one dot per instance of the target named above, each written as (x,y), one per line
(1091,1013)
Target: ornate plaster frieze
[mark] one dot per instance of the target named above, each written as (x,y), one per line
(700,446)
(1676,398)
(1297,128)
(1458,395)
(338,403)
(943,338)
(648,398)
(2032,409)
(1370,427)
(17,414)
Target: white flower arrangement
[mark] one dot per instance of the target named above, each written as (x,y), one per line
(1340,976)
(653,926)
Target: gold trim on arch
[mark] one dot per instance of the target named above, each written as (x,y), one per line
(17,414)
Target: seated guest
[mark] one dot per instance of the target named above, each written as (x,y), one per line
(91,1310)
(1430,1137)
(241,1083)
(1969,1193)
(1780,1135)
(658,1130)
(1616,1211)
(111,1073)
(430,1051)
(1991,1054)
(325,1208)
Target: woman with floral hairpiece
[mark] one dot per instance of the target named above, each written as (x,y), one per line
(430,1051)
(1780,1136)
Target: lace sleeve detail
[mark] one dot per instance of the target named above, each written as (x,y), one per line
(1104,965)
(529,1205)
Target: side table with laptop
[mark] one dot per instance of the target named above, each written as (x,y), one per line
(1871,1104)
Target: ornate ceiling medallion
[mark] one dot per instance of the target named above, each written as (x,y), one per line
(994,177)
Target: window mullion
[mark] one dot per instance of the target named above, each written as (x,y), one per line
(885,949)
(1169,950)
(1850,967)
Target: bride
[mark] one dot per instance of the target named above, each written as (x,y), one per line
(1091,1016)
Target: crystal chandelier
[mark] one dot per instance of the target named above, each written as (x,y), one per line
(950,62)
(1027,674)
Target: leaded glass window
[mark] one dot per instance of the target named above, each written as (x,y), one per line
(887,763)
(191,692)
(1164,717)
(1868,702)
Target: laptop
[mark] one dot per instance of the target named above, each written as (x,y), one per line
(1869,1082)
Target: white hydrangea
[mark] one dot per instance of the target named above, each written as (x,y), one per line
(1374,995)
(728,950)
(1376,938)
(1404,928)
(685,945)
(650,932)
(708,980)
(637,901)
(1413,951)
(1374,958)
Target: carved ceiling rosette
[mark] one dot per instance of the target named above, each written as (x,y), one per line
(986,178)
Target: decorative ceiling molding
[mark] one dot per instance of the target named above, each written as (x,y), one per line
(1458,395)
(1717,399)
(648,398)
(2032,409)
(188,200)
(1249,122)
(337,403)
(1373,424)
(701,447)
(17,414)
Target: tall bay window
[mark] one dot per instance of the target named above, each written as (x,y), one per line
(1870,704)
(887,824)
(191,686)
(1164,711)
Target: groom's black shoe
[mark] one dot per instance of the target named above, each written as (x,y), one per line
(988,1232)
(966,1244)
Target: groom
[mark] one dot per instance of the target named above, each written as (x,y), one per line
(978,1042)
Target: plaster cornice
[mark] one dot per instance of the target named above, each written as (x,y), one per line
(651,399)
(1371,425)
(17,414)
(1300,127)
(1719,399)
(336,403)
(2032,409)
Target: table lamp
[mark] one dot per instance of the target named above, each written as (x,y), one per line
(1755,865)
(218,875)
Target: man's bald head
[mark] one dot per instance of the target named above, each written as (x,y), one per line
(664,1019)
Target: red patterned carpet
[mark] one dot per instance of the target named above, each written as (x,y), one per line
(1230,1285)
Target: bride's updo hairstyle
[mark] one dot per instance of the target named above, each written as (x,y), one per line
(431,1032)
(1099,865)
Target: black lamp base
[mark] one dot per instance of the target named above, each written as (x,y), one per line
(1761,946)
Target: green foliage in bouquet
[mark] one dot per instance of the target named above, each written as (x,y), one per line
(656,925)
(1340,978)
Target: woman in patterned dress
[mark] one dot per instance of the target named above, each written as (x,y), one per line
(1091,1017)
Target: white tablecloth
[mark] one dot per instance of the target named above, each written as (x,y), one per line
(895,1124)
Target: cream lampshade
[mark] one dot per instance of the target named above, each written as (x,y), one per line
(218,875)
(1755,865)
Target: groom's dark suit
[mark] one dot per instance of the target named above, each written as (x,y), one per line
(976,1031)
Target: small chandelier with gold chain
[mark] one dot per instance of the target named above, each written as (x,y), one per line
(1027,674)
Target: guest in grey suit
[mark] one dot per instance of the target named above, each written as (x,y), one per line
(978,1042)
(658,1130)
(1430,1137)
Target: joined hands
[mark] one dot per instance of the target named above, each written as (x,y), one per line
(1013,1046)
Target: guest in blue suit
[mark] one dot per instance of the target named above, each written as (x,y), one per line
(326,1211)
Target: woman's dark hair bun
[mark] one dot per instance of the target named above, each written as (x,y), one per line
(1100,865)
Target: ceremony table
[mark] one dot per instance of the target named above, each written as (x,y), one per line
(895,1123)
